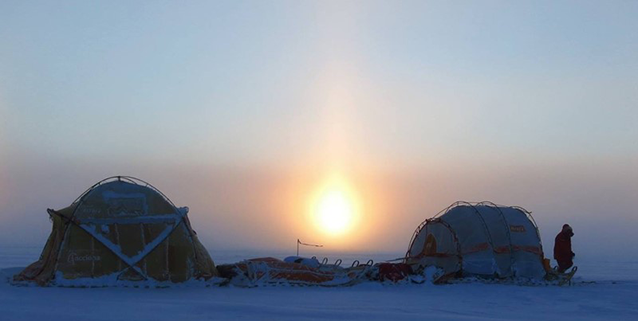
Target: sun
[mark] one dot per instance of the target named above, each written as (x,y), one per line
(334,212)
(335,208)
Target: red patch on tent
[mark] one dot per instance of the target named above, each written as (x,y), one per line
(478,248)
(530,249)
(502,249)
(517,228)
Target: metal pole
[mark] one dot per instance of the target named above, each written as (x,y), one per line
(306,244)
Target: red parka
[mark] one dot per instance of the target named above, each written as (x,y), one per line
(563,246)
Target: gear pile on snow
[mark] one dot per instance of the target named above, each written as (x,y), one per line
(121,230)
(293,271)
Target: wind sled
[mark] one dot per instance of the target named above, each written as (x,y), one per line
(561,278)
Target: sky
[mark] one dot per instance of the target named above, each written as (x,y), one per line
(243,110)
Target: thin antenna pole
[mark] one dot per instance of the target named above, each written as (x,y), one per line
(306,244)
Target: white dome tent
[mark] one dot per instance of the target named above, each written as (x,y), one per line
(479,239)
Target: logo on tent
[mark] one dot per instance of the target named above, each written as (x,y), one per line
(517,228)
(74,257)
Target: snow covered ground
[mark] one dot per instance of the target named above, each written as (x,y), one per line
(604,290)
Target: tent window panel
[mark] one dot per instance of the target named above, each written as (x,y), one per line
(142,263)
(106,262)
(156,260)
(116,232)
(108,231)
(180,253)
(131,241)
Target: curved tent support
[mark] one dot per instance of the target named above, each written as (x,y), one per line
(531,218)
(507,228)
(486,230)
(129,179)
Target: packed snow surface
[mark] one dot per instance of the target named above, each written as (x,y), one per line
(603,290)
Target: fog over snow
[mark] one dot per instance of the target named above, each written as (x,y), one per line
(241,208)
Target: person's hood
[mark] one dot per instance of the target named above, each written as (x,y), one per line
(567,230)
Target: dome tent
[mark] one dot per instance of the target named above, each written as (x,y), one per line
(479,239)
(121,229)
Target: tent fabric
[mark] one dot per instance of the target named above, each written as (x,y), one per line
(121,229)
(481,239)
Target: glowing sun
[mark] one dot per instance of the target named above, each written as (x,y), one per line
(335,208)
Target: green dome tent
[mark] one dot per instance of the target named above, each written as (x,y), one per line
(120,230)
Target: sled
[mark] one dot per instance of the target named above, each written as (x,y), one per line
(562,278)
(566,278)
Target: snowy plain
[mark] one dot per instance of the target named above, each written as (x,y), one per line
(602,290)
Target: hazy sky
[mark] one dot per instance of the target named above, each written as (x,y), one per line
(241,109)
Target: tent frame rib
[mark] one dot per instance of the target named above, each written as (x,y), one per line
(507,229)
(486,230)
(531,218)
(129,179)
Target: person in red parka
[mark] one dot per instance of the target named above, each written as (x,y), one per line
(563,248)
